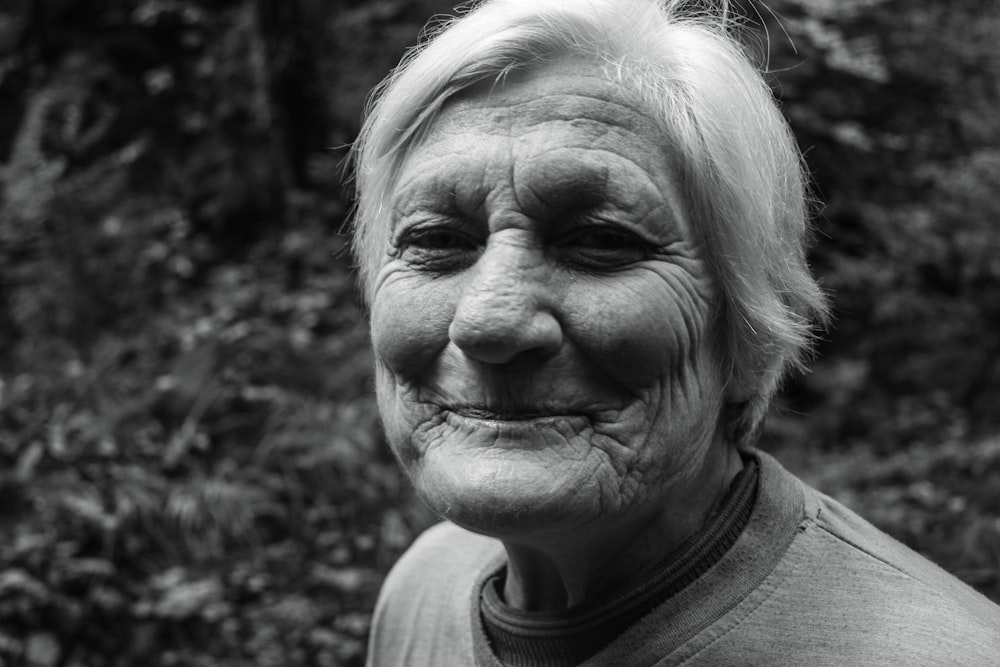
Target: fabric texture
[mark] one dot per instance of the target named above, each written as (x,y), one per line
(807,583)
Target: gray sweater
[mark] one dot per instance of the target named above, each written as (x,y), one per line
(807,583)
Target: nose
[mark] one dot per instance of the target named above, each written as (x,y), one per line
(504,311)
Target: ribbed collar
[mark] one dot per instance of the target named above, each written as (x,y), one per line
(554,639)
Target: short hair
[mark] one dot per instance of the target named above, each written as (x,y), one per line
(742,175)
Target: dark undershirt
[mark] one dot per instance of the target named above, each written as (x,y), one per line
(569,637)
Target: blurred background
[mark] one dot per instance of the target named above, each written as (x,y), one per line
(191,466)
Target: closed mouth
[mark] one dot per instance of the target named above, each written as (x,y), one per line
(492,414)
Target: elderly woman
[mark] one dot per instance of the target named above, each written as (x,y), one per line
(580,230)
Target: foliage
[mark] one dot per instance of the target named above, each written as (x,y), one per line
(189,450)
(904,149)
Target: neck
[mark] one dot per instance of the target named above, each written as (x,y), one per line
(551,573)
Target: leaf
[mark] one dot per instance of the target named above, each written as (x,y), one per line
(189,599)
(42,650)
(344,580)
(28,461)
(18,582)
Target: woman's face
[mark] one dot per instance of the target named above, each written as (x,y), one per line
(541,322)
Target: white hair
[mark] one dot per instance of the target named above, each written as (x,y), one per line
(742,174)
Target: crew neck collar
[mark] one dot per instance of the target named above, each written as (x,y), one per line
(568,637)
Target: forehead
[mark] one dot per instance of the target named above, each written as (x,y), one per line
(564,124)
(565,90)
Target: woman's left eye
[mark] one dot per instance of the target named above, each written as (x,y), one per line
(604,239)
(603,247)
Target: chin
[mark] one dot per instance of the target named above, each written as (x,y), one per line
(505,499)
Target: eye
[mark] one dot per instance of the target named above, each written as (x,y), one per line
(436,238)
(602,247)
(437,246)
(604,238)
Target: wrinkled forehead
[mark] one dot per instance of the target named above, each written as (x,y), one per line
(544,142)
(569,108)
(563,90)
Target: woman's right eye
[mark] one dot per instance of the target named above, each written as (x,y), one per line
(437,247)
(436,238)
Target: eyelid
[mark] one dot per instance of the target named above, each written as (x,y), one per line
(424,222)
(601,225)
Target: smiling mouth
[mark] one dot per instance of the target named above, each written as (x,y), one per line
(490,414)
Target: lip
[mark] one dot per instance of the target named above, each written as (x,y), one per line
(513,430)
(492,414)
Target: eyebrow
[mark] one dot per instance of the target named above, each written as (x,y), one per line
(574,188)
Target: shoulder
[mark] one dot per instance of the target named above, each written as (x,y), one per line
(842,572)
(445,558)
(423,611)
(866,547)
(446,547)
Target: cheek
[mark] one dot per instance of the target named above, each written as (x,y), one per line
(409,323)
(409,328)
(643,335)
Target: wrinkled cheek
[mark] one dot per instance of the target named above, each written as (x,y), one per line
(409,326)
(637,349)
(389,408)
(401,416)
(654,349)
